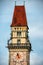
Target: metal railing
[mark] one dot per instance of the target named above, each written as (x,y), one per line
(21,44)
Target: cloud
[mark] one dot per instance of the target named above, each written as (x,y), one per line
(36,31)
(36,59)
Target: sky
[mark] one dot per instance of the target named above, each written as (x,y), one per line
(34,13)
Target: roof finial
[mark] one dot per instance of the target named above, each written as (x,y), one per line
(24,3)
(15,3)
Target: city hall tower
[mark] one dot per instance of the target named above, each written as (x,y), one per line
(19,45)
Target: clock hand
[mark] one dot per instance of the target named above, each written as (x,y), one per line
(18,55)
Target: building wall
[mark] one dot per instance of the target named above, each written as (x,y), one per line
(23,40)
(24,55)
(18,28)
(22,37)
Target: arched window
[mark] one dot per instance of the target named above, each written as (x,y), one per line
(18,33)
(18,42)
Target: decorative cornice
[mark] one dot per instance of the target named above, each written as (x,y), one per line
(21,46)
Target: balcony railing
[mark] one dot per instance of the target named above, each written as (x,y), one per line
(21,44)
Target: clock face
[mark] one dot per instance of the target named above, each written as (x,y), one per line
(18,56)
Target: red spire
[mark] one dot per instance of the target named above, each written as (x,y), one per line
(19,17)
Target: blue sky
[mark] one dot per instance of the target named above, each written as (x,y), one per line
(34,13)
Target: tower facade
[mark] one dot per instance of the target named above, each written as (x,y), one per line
(19,45)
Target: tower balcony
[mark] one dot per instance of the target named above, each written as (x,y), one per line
(18,46)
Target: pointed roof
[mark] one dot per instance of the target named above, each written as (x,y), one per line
(19,17)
